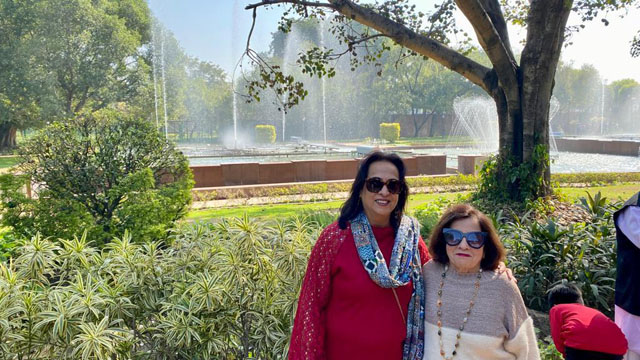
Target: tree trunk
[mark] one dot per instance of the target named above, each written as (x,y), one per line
(7,136)
(418,123)
(522,94)
(416,127)
(432,126)
(539,62)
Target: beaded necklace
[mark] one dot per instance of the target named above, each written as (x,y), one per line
(466,317)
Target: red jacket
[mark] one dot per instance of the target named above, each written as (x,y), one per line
(342,313)
(583,328)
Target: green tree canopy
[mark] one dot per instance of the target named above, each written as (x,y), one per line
(104,173)
(63,57)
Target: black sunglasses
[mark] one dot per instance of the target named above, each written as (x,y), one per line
(475,239)
(375,185)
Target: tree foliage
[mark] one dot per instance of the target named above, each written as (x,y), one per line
(61,58)
(103,173)
(424,89)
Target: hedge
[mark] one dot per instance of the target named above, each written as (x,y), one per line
(390,132)
(265,134)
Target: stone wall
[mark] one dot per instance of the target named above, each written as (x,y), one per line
(599,146)
(233,174)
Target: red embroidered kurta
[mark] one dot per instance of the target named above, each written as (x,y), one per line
(342,313)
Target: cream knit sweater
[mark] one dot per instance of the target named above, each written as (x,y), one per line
(498,327)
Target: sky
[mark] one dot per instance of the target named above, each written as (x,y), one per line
(216,31)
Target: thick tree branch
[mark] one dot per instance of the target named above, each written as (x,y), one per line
(273,2)
(451,59)
(506,88)
(494,10)
(504,64)
(475,72)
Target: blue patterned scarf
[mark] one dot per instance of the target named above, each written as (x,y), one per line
(405,266)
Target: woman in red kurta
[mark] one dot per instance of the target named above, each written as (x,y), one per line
(345,311)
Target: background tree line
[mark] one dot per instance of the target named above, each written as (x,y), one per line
(63,58)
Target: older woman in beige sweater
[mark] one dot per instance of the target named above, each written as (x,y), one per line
(472,311)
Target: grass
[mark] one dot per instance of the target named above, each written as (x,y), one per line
(291,209)
(264,211)
(8,161)
(612,192)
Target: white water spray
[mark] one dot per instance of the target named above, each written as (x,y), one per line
(154,57)
(164,87)
(284,117)
(477,118)
(604,82)
(324,80)
(554,107)
(235,120)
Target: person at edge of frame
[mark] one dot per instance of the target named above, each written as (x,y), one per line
(627,293)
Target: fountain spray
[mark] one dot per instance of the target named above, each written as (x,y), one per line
(324,80)
(154,58)
(164,86)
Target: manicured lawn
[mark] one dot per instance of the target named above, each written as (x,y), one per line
(264,211)
(8,161)
(274,211)
(612,192)
(290,209)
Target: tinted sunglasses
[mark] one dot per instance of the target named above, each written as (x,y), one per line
(375,185)
(475,239)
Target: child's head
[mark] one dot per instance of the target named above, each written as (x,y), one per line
(565,293)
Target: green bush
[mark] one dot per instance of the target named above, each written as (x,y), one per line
(428,215)
(390,132)
(103,174)
(452,180)
(265,134)
(223,291)
(548,350)
(543,255)
(502,182)
(595,178)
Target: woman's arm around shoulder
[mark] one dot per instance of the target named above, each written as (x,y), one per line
(307,337)
(424,251)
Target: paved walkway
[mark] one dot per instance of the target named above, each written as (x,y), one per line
(263,200)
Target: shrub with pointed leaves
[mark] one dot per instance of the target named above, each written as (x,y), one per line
(542,255)
(213,291)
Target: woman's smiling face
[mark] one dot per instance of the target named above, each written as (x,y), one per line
(379,206)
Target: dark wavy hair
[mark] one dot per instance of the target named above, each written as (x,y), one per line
(493,250)
(353,206)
